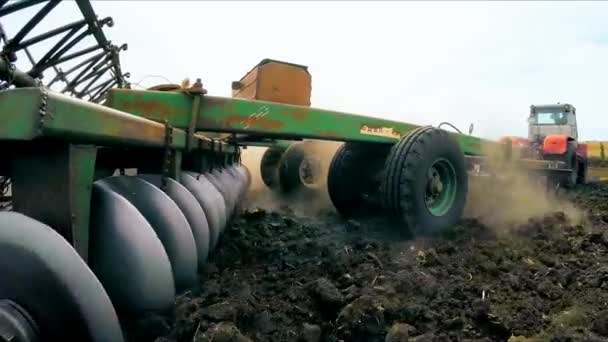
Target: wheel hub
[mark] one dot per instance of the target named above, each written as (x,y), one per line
(434,182)
(440,187)
(309,171)
(16,325)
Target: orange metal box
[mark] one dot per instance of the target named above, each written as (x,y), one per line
(275,81)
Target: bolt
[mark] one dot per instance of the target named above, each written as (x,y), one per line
(6,333)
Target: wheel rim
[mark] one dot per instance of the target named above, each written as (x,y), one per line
(16,324)
(440,190)
(309,170)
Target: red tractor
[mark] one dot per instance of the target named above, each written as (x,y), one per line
(553,135)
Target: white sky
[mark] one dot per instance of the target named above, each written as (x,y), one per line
(421,62)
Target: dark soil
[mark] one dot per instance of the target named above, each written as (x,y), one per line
(280,277)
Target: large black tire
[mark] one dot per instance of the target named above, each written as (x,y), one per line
(582,172)
(43,274)
(351,175)
(269,166)
(567,180)
(412,168)
(168,222)
(293,160)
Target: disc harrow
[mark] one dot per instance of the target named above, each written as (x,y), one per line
(83,241)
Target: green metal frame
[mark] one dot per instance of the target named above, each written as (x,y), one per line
(268,119)
(34,113)
(55,143)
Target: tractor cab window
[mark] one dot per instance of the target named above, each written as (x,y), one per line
(551,118)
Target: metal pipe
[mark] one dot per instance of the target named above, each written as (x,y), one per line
(35,20)
(91,74)
(86,88)
(18,5)
(36,69)
(75,26)
(89,15)
(71,56)
(91,65)
(93,59)
(16,76)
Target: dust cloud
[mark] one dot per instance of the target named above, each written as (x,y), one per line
(505,199)
(309,202)
(511,195)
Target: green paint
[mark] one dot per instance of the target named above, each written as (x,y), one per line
(82,122)
(52,183)
(81,175)
(18,113)
(441,187)
(268,119)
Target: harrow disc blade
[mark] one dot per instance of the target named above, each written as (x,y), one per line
(241,182)
(127,255)
(235,184)
(168,222)
(193,211)
(45,276)
(210,200)
(245,171)
(218,180)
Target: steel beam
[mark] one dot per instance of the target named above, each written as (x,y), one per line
(52,183)
(272,120)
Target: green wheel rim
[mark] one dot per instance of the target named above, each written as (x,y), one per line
(441,186)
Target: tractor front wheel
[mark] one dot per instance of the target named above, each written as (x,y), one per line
(426,182)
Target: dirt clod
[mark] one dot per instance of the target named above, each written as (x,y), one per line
(327,296)
(600,323)
(399,332)
(310,333)
(221,332)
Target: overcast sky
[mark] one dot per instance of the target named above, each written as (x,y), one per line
(463,62)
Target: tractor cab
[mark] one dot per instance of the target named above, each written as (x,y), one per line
(555,119)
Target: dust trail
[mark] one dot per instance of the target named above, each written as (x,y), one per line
(512,195)
(309,202)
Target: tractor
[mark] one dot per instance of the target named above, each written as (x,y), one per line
(553,135)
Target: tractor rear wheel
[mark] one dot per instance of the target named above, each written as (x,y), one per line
(570,179)
(426,182)
(47,292)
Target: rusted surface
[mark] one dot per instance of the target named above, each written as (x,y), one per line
(299,113)
(254,122)
(154,109)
